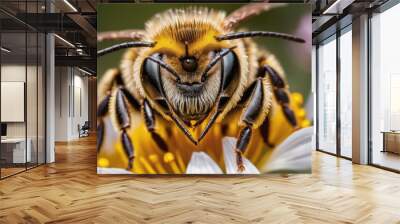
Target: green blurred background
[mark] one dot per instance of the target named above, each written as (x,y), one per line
(293,19)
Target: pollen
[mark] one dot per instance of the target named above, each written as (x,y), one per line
(297,98)
(305,123)
(301,113)
(103,162)
(169,157)
(153,158)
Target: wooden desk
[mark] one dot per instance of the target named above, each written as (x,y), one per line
(391,141)
(13,150)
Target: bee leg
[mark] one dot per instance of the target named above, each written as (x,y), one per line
(123,121)
(105,87)
(102,110)
(126,140)
(100,134)
(252,116)
(150,124)
(119,100)
(264,130)
(280,92)
(241,146)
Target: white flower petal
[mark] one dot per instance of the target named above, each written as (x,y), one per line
(229,144)
(201,163)
(102,170)
(293,154)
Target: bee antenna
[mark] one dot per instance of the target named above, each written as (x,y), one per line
(165,66)
(124,45)
(121,35)
(214,61)
(239,35)
(248,11)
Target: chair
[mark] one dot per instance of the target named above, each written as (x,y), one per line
(84,130)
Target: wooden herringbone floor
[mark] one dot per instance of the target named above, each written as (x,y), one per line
(69,191)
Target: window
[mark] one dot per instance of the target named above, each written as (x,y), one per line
(346,92)
(327,95)
(22,95)
(385,89)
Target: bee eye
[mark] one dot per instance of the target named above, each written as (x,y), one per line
(189,64)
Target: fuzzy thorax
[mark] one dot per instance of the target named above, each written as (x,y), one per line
(196,26)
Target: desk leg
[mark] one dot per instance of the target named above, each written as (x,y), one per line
(384,142)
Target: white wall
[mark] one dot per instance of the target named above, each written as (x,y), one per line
(80,96)
(12,73)
(71,102)
(33,126)
(16,73)
(61,103)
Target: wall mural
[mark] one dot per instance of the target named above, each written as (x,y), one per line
(204,89)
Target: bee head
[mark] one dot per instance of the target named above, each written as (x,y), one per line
(190,74)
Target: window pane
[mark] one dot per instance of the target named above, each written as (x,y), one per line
(327,96)
(385,84)
(14,153)
(31,99)
(346,94)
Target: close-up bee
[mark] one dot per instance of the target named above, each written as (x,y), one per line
(186,81)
